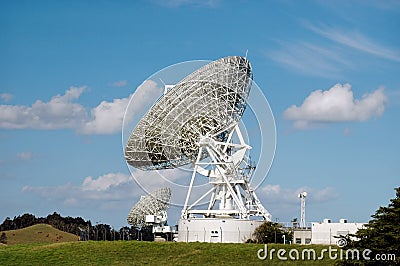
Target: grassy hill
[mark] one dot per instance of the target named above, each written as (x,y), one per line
(39,233)
(146,253)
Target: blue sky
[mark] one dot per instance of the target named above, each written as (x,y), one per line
(329,69)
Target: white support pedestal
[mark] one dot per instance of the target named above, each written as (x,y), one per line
(231,197)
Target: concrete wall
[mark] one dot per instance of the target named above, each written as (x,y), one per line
(216,230)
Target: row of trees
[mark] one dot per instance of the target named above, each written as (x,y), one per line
(67,224)
(107,233)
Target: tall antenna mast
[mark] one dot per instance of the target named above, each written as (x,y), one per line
(302,197)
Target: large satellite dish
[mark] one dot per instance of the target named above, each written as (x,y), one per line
(207,102)
(197,122)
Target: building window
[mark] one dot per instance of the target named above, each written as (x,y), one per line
(308,240)
(298,240)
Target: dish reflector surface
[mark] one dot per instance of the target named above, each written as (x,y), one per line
(207,102)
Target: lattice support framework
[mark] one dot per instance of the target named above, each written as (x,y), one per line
(229,174)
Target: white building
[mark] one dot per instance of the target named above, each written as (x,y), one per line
(302,236)
(328,233)
(228,230)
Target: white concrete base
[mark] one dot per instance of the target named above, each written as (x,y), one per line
(217,230)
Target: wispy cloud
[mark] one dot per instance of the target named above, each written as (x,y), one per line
(194,3)
(120,187)
(6,96)
(25,156)
(330,55)
(283,202)
(119,83)
(278,194)
(389,5)
(394,96)
(112,186)
(20,157)
(336,105)
(347,131)
(310,59)
(117,187)
(356,40)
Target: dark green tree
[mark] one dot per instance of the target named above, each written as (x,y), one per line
(381,235)
(7,225)
(3,238)
(269,232)
(27,220)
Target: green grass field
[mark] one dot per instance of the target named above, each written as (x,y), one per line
(44,245)
(145,253)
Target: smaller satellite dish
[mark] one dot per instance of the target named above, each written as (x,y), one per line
(155,204)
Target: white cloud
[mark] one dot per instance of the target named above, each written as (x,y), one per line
(59,112)
(105,182)
(106,118)
(63,112)
(336,105)
(142,99)
(6,96)
(111,186)
(120,83)
(118,187)
(145,94)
